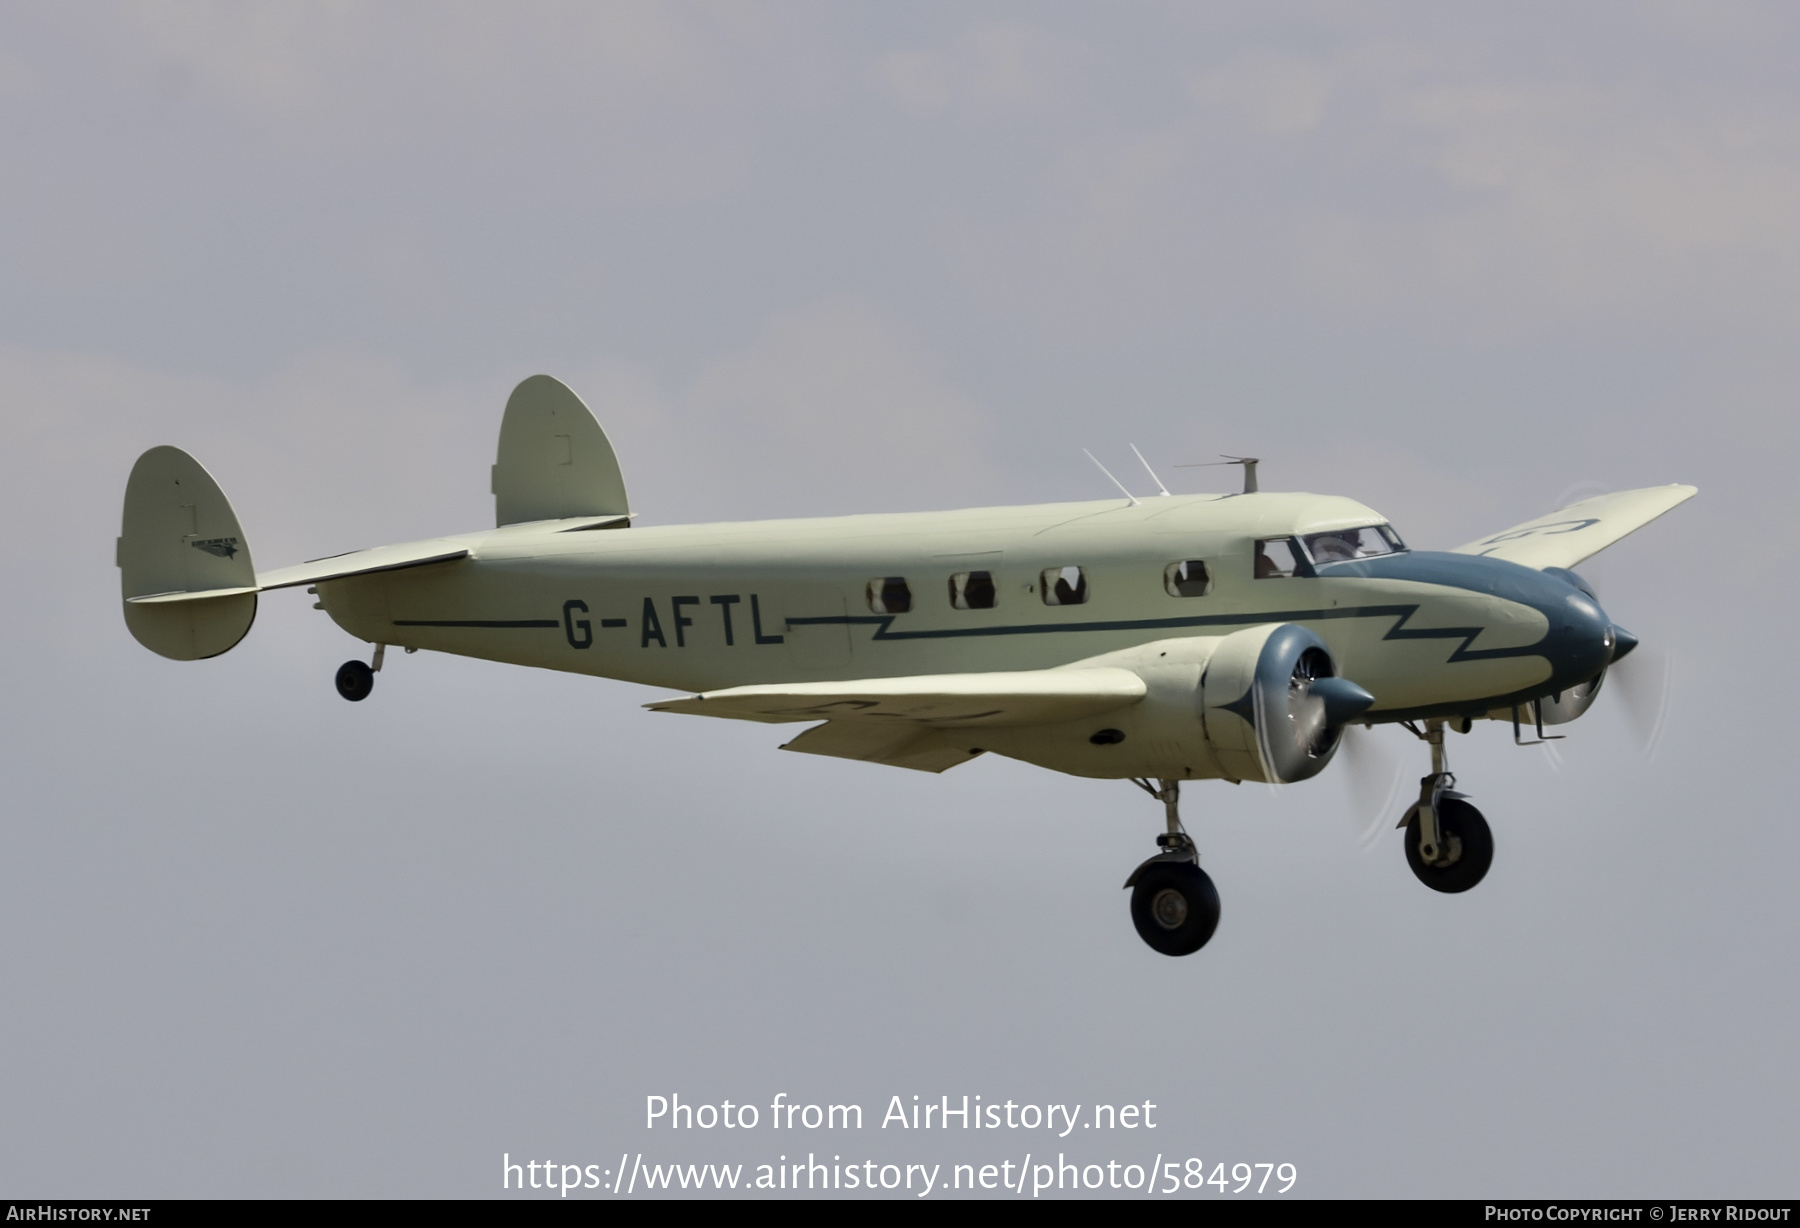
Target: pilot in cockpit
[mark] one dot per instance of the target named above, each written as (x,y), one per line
(1335,547)
(1342,545)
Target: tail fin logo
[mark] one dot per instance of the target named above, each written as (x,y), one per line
(219,547)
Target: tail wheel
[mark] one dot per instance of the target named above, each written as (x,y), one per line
(355,680)
(1175,907)
(1468,851)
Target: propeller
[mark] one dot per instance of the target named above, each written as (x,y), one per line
(1376,760)
(1375,769)
(1645,682)
(1319,704)
(1643,677)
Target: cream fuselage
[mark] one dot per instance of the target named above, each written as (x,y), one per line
(705,607)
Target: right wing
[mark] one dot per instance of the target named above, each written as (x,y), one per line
(1566,537)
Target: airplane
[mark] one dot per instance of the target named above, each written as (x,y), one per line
(1166,640)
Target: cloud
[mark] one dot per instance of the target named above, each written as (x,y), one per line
(842,408)
(1274,92)
(988,68)
(1426,182)
(659,100)
(835,407)
(1573,203)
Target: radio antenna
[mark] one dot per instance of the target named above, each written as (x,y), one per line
(1248,462)
(1115,481)
(1164,490)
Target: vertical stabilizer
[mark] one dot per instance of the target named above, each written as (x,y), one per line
(555,462)
(188,585)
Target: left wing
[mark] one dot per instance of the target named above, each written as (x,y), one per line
(1581,530)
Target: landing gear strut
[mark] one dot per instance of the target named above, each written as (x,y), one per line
(1173,902)
(355,680)
(1448,844)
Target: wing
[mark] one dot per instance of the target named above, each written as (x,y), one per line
(1020,697)
(1581,530)
(898,721)
(899,744)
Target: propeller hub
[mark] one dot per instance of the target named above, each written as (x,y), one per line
(1622,642)
(1344,700)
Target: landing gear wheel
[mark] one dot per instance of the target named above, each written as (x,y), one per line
(355,680)
(1469,848)
(1175,907)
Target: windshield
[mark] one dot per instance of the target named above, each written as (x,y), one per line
(1341,545)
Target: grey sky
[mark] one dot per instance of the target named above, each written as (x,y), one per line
(1456,262)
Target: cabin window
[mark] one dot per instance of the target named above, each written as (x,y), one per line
(890,595)
(1187,579)
(973,590)
(1063,586)
(1341,545)
(1275,558)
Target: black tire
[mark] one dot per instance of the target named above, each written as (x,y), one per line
(1466,832)
(355,680)
(1175,907)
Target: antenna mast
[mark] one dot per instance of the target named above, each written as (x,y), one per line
(1161,489)
(1115,481)
(1248,462)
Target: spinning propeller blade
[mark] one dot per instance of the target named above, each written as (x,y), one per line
(1376,773)
(1645,682)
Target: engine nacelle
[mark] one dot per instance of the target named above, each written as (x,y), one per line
(1264,703)
(1565,706)
(1273,705)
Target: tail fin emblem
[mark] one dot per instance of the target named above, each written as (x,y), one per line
(218,547)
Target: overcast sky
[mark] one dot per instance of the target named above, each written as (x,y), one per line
(1457,262)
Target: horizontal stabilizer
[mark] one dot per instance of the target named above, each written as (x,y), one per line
(210,594)
(363,562)
(1566,537)
(1024,697)
(897,744)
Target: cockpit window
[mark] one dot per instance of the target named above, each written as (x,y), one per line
(1341,545)
(1275,558)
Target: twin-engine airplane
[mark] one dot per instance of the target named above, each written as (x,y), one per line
(1199,637)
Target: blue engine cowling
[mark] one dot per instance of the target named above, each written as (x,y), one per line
(1273,705)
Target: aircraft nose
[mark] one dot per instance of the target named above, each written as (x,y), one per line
(1584,638)
(1623,643)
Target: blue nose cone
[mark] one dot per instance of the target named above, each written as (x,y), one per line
(1581,640)
(1344,700)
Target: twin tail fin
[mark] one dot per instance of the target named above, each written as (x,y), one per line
(189,587)
(185,574)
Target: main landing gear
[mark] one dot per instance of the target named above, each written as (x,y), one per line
(1448,844)
(1173,903)
(355,680)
